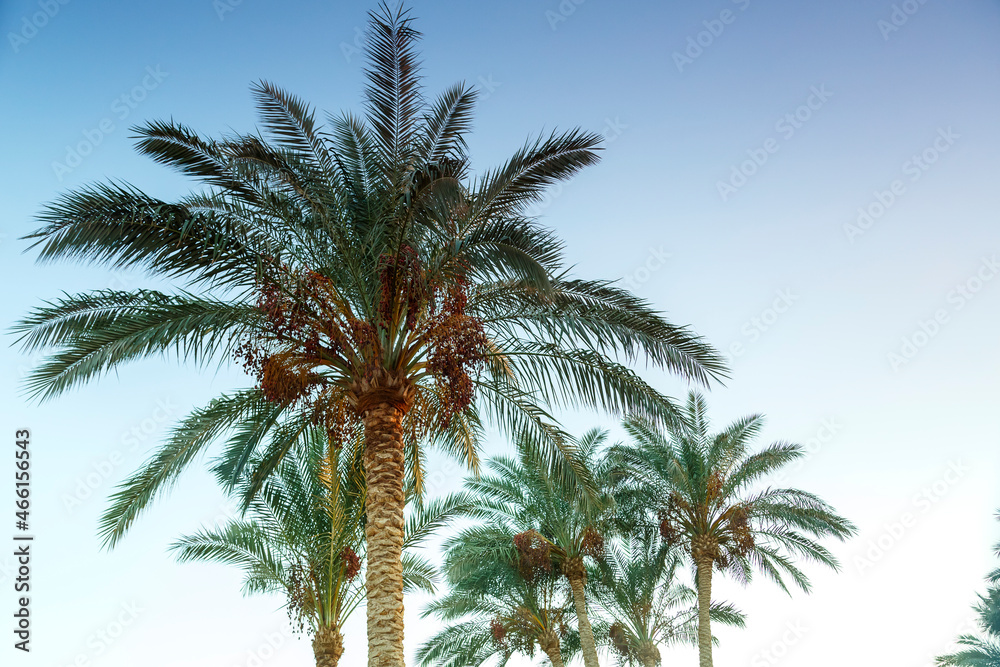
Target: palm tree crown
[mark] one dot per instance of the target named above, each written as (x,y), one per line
(698,488)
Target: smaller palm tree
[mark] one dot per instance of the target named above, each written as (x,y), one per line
(699,487)
(981,650)
(551,523)
(303,536)
(646,607)
(498,606)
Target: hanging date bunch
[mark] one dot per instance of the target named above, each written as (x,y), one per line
(458,345)
(671,517)
(306,329)
(534,554)
(739,527)
(301,595)
(351,561)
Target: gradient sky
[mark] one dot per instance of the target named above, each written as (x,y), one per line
(891,437)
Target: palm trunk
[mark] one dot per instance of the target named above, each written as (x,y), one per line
(587,645)
(550,645)
(384,533)
(328,646)
(704,576)
(649,655)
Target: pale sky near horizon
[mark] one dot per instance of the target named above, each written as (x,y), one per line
(810,186)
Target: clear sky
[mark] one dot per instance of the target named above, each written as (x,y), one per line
(811,186)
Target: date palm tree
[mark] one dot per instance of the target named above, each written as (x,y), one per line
(643,605)
(546,519)
(699,488)
(362,275)
(303,536)
(497,606)
(983,649)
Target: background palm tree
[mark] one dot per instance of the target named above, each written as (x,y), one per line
(362,277)
(643,605)
(981,650)
(498,606)
(547,519)
(303,536)
(698,489)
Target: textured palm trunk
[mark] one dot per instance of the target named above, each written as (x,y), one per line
(649,655)
(704,575)
(550,645)
(328,646)
(587,645)
(384,532)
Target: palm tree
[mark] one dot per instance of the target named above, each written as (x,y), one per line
(698,486)
(362,276)
(547,519)
(982,650)
(497,606)
(645,607)
(304,537)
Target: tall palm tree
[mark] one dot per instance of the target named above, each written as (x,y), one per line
(981,650)
(497,606)
(699,488)
(303,536)
(644,605)
(363,276)
(548,519)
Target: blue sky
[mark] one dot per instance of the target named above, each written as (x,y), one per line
(872,339)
